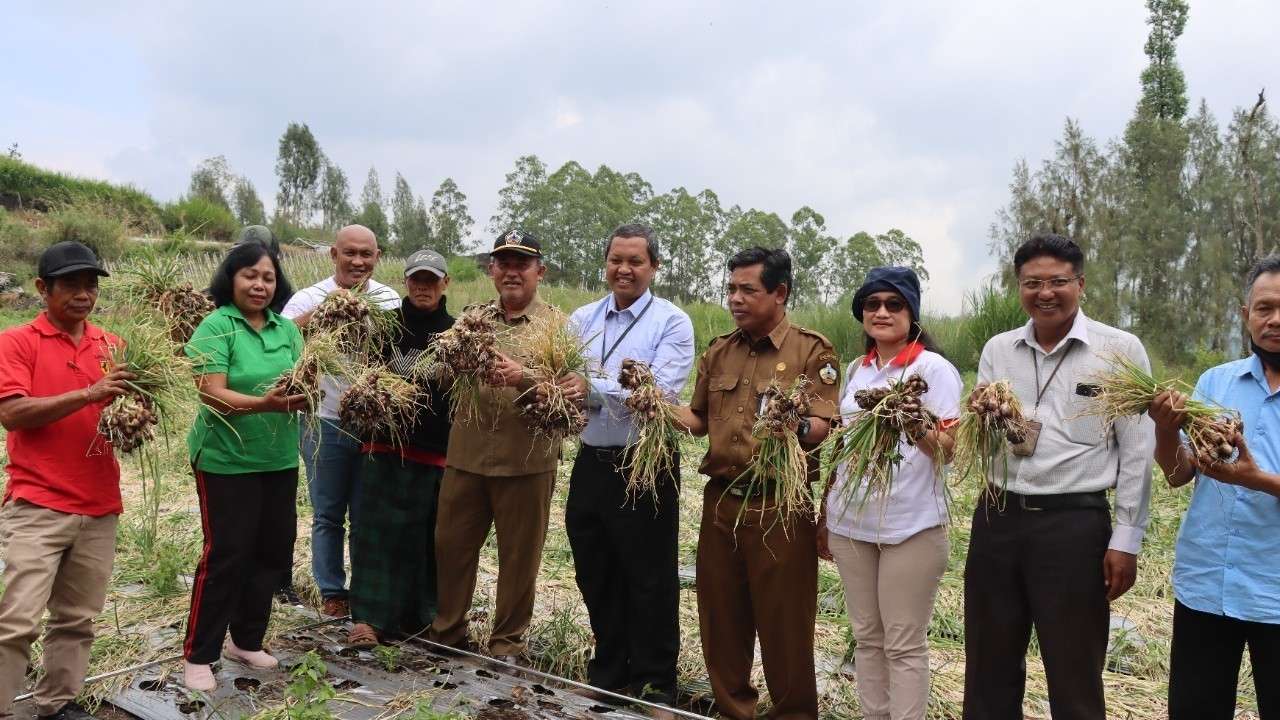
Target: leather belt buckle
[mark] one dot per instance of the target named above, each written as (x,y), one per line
(1022,503)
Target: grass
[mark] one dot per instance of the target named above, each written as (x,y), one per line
(150,587)
(30,187)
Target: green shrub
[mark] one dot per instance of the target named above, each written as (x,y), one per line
(103,233)
(20,246)
(989,311)
(27,186)
(200,217)
(463,268)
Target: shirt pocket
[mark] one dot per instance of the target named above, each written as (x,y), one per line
(1082,425)
(721,388)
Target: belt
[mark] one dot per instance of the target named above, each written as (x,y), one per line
(609,454)
(1096,500)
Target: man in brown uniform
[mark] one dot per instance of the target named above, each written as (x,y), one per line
(498,473)
(756,580)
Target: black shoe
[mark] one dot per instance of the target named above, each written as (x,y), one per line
(70,711)
(288,596)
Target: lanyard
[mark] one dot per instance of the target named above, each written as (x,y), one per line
(608,353)
(1040,391)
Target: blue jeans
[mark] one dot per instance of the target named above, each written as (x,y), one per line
(333,460)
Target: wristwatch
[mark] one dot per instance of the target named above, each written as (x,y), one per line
(802,430)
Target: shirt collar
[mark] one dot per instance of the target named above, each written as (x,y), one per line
(776,336)
(905,357)
(43,326)
(230,310)
(611,304)
(531,309)
(1079,331)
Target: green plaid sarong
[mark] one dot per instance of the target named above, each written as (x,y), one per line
(393,556)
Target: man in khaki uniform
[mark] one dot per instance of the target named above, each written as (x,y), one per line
(498,473)
(756,580)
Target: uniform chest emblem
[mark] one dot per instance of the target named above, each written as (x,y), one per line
(828,374)
(780,366)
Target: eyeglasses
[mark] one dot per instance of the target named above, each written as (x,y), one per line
(1058,283)
(893,305)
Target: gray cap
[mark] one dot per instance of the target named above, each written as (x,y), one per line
(256,233)
(426,259)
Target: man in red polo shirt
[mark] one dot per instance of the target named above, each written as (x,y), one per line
(62,498)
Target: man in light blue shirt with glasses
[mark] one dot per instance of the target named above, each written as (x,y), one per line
(1226,572)
(624,552)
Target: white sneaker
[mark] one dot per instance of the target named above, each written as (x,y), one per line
(198,677)
(257,659)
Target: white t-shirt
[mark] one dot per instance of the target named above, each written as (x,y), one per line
(917,498)
(308,299)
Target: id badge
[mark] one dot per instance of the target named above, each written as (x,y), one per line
(1027,447)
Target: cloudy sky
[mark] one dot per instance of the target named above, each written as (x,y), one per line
(876,114)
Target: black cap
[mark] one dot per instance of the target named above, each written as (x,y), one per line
(901,280)
(67,257)
(517,240)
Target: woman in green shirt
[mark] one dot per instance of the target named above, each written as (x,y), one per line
(245,463)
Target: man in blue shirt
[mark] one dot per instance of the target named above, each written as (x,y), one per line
(1225,575)
(624,552)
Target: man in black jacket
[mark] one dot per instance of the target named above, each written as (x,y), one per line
(393,568)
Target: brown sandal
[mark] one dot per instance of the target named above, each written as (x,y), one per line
(362,637)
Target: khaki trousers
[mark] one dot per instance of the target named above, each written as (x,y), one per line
(889,590)
(61,562)
(756,581)
(518,508)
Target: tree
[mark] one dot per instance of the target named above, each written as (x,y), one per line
(896,248)
(334,199)
(853,259)
(517,193)
(14,153)
(687,226)
(248,207)
(810,247)
(1164,88)
(299,164)
(450,221)
(372,215)
(410,222)
(212,180)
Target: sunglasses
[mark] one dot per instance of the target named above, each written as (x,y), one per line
(893,305)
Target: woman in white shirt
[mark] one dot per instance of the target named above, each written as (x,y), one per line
(891,547)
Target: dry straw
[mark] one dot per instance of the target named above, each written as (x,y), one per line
(552,350)
(657,439)
(869,445)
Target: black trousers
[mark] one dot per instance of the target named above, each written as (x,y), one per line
(1205,665)
(250,524)
(625,561)
(1041,569)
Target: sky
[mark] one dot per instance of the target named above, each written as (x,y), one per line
(876,114)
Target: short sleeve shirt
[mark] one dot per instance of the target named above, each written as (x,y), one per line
(917,499)
(1225,559)
(225,343)
(65,465)
(308,299)
(733,375)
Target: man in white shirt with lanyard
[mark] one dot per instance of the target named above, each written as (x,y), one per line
(625,553)
(1043,553)
(331,456)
